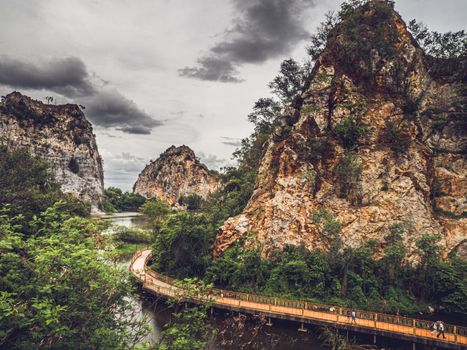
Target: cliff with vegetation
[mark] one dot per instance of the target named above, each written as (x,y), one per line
(174,176)
(59,134)
(376,138)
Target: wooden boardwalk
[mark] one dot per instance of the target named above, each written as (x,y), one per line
(414,330)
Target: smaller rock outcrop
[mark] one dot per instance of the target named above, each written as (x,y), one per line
(59,134)
(175,174)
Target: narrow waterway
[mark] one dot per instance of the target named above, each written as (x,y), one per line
(282,335)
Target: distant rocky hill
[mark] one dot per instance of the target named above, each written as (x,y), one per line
(376,138)
(176,173)
(59,134)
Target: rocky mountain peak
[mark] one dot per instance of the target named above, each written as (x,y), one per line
(376,138)
(61,135)
(176,173)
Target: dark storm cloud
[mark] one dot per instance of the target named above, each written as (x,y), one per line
(264,29)
(213,69)
(66,76)
(109,108)
(70,77)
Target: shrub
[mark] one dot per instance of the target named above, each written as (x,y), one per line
(350,132)
(327,224)
(395,138)
(347,173)
(131,235)
(117,200)
(192,201)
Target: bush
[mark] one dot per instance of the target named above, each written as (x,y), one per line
(27,187)
(395,138)
(131,235)
(183,246)
(192,202)
(347,174)
(350,132)
(326,223)
(57,290)
(117,200)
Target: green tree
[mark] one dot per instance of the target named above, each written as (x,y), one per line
(350,132)
(188,330)
(290,80)
(394,253)
(192,201)
(182,247)
(57,292)
(27,187)
(440,45)
(156,210)
(117,200)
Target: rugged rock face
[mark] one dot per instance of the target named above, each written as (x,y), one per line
(176,173)
(61,135)
(377,137)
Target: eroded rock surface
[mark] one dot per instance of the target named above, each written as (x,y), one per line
(176,173)
(59,134)
(408,169)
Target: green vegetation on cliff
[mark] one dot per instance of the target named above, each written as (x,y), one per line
(56,291)
(372,276)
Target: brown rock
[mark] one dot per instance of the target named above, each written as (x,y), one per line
(417,178)
(61,135)
(176,173)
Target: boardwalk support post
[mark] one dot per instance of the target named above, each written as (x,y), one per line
(302,328)
(269,323)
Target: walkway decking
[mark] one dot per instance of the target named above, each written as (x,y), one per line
(417,331)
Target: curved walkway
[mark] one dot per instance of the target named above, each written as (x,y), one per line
(417,331)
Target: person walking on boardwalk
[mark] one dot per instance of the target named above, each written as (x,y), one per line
(354,316)
(441,330)
(434,328)
(349,315)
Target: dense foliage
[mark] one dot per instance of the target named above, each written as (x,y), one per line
(27,187)
(55,289)
(440,45)
(188,330)
(117,201)
(350,276)
(56,292)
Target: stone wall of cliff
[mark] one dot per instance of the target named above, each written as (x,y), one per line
(378,137)
(59,134)
(176,173)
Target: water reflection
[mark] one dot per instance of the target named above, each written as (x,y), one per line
(130,220)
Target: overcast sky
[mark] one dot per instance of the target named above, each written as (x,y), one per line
(153,73)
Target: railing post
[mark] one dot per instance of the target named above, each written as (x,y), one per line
(275,301)
(376,319)
(455,333)
(414,327)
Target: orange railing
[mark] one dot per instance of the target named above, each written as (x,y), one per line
(306,309)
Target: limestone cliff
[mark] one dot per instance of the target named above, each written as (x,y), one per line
(62,136)
(176,173)
(377,137)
